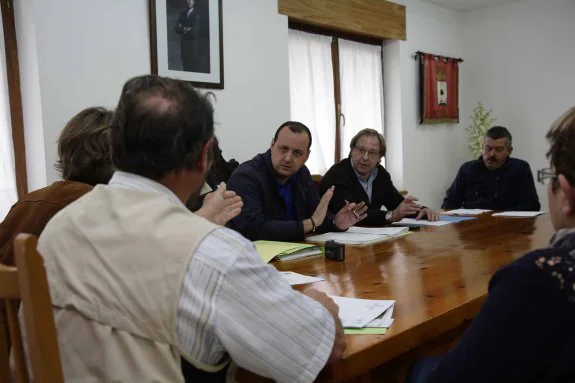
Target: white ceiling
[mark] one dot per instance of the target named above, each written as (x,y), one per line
(467,5)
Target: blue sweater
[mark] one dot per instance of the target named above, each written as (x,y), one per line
(525,330)
(264,214)
(511,187)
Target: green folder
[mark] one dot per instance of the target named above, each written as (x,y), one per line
(285,251)
(365,331)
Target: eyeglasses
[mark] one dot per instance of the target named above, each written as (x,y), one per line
(545,174)
(363,152)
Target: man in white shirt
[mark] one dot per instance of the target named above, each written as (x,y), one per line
(139,283)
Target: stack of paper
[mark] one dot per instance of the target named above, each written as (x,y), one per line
(421,222)
(364,316)
(519,214)
(466,212)
(298,279)
(361,236)
(285,251)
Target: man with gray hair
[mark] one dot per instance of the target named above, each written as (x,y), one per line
(361,177)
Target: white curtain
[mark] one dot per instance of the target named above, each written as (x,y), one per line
(8,193)
(361,89)
(311,94)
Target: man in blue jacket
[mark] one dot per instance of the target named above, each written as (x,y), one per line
(494,181)
(280,200)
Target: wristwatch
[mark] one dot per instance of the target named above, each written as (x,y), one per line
(389,216)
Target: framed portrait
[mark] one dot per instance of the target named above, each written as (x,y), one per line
(439,89)
(186,41)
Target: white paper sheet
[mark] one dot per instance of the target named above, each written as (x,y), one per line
(356,313)
(385,320)
(389,231)
(466,212)
(421,222)
(345,238)
(519,214)
(298,279)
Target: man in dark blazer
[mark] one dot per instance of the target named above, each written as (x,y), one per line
(360,177)
(280,201)
(188,26)
(494,181)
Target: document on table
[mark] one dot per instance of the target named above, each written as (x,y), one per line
(384,320)
(357,313)
(421,222)
(361,235)
(466,212)
(519,214)
(383,231)
(298,279)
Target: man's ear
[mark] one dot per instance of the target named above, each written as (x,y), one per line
(206,156)
(568,204)
(307,157)
(510,150)
(272,144)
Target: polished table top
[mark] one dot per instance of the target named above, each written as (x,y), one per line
(438,276)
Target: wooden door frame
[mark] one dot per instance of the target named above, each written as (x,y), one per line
(14,95)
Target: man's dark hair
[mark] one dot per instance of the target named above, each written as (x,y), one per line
(498,132)
(160,125)
(296,127)
(84,147)
(561,152)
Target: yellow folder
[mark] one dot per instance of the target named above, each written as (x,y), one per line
(285,251)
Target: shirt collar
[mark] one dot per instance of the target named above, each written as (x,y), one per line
(564,238)
(362,178)
(137,182)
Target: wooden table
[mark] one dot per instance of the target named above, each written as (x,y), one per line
(439,278)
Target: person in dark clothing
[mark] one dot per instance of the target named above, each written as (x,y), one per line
(219,172)
(494,181)
(188,26)
(360,177)
(524,331)
(280,201)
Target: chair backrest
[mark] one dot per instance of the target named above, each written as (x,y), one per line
(316,178)
(27,282)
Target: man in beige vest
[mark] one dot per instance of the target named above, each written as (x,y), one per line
(139,283)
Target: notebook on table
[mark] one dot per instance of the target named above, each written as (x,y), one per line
(285,251)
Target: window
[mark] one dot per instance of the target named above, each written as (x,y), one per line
(336,89)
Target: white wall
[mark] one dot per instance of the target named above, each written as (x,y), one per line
(519,62)
(431,154)
(86,51)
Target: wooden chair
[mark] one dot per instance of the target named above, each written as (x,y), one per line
(27,282)
(316,178)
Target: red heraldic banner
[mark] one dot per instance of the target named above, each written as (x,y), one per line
(439,86)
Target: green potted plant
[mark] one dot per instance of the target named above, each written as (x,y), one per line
(482,119)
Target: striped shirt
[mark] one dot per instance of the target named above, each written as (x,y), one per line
(233,305)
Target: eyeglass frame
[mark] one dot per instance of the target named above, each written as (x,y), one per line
(363,152)
(546,174)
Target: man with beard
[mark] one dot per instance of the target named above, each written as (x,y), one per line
(495,181)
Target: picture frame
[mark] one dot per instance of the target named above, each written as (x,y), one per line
(186,41)
(439,89)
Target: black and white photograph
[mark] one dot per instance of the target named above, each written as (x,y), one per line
(186,41)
